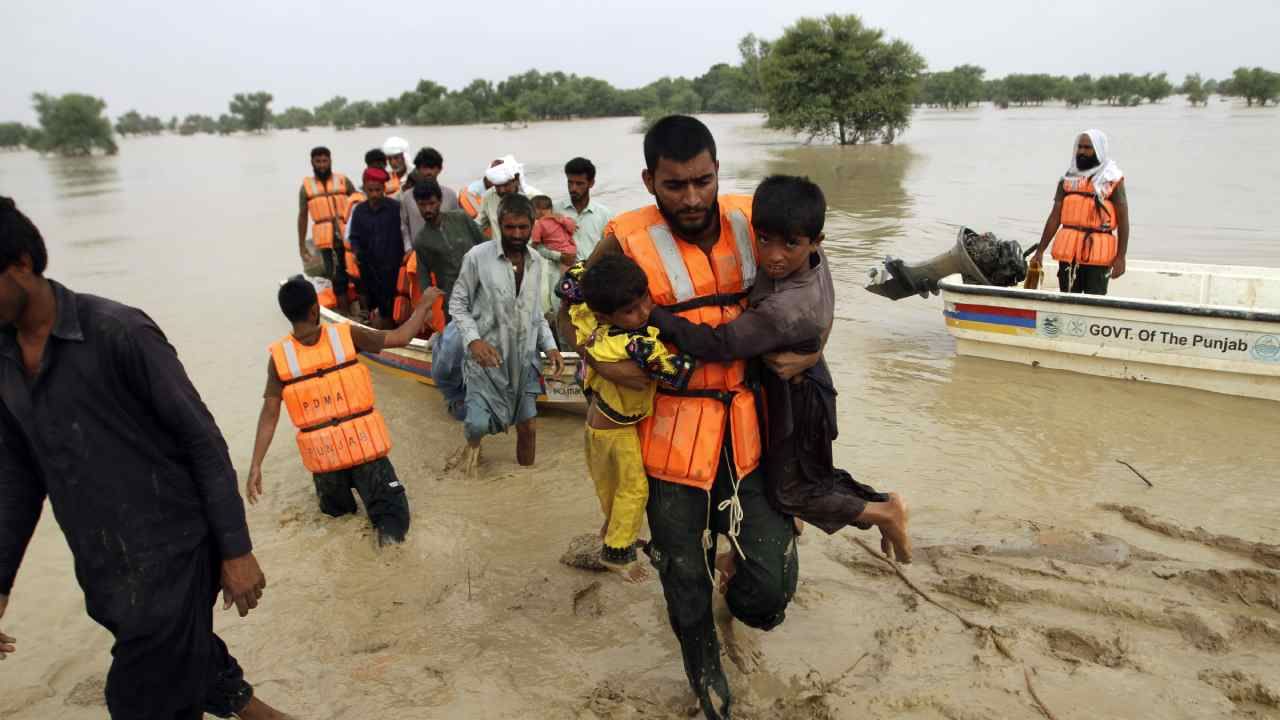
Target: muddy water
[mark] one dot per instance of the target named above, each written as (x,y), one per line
(474,613)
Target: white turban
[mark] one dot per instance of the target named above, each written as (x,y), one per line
(1105,174)
(395,146)
(503,173)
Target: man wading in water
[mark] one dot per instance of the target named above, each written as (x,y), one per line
(97,413)
(702,446)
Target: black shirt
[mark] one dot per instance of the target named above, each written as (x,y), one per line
(379,246)
(113,432)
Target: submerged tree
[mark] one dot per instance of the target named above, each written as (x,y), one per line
(13,135)
(834,77)
(73,124)
(294,118)
(134,123)
(196,123)
(1256,84)
(253,109)
(1195,90)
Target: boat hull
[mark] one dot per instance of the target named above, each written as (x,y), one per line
(1233,350)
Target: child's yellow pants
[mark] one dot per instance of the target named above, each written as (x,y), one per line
(617,468)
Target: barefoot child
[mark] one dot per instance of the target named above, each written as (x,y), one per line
(790,307)
(610,311)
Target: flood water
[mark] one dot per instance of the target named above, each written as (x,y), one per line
(198,231)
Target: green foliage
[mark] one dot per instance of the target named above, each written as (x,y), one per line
(294,118)
(452,110)
(1155,87)
(1193,87)
(228,124)
(1254,84)
(172,125)
(957,88)
(72,124)
(725,89)
(132,123)
(753,51)
(13,135)
(1211,86)
(253,110)
(193,124)
(327,112)
(834,77)
(348,116)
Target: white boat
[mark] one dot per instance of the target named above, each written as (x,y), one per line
(1210,327)
(414,361)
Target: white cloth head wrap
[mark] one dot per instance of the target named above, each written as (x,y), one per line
(502,174)
(1105,174)
(395,145)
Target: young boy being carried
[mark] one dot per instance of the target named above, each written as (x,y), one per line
(610,307)
(790,307)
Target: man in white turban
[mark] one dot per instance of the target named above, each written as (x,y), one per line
(1089,223)
(504,179)
(394,148)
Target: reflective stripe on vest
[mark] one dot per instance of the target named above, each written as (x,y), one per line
(682,441)
(329,396)
(681,283)
(327,206)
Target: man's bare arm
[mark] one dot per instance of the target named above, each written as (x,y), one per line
(1121,200)
(302,224)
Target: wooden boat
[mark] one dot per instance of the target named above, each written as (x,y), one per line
(414,361)
(1211,327)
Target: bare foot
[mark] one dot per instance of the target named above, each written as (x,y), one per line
(895,540)
(632,572)
(799,525)
(454,459)
(726,567)
(258,710)
(471,461)
(739,643)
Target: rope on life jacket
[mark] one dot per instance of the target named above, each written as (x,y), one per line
(734,504)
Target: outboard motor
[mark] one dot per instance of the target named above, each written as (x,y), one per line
(981,259)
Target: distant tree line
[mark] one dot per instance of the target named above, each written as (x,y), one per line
(831,78)
(965,85)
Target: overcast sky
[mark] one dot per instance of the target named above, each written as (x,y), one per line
(178,56)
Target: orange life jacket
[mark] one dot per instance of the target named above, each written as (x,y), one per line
(1088,232)
(327,204)
(683,439)
(408,293)
(329,395)
(469,202)
(349,257)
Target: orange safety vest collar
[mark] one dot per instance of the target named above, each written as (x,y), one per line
(329,396)
(683,439)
